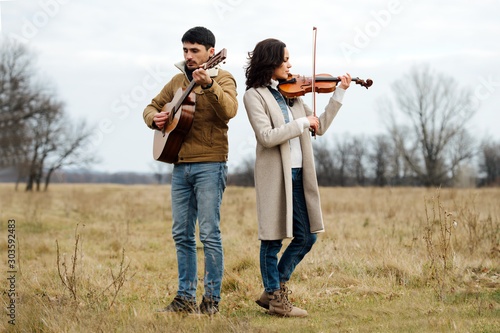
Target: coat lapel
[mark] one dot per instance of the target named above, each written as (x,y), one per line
(274,109)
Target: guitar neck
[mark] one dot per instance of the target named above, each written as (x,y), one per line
(183,97)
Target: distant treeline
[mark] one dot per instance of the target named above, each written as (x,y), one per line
(241,176)
(128,178)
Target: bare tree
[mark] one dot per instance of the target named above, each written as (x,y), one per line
(36,137)
(489,163)
(432,137)
(325,168)
(54,143)
(358,154)
(342,158)
(380,159)
(17,98)
(71,148)
(41,137)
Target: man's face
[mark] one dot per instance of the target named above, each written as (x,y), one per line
(196,55)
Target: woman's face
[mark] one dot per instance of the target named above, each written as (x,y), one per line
(282,71)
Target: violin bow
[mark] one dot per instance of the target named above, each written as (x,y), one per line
(313,132)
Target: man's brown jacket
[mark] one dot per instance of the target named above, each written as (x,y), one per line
(207,140)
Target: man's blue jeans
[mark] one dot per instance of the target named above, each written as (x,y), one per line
(197,190)
(273,272)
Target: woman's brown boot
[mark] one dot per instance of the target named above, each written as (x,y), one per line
(279,305)
(263,300)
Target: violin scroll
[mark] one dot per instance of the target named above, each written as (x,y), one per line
(368,83)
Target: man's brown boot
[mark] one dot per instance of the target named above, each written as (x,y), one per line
(279,305)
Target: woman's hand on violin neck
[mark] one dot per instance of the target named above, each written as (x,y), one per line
(313,122)
(345,81)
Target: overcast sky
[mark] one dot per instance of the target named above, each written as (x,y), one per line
(108,59)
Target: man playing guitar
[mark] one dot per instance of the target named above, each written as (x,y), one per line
(200,171)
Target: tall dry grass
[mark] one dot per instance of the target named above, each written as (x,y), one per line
(100,258)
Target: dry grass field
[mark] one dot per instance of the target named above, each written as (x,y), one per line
(100,258)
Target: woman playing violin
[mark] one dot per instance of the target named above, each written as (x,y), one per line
(288,204)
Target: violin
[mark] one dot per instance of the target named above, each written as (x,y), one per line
(296,85)
(299,85)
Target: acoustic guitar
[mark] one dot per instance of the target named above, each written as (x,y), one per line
(168,141)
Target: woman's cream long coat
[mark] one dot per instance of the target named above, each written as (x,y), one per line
(273,176)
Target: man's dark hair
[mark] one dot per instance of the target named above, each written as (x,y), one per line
(268,55)
(199,35)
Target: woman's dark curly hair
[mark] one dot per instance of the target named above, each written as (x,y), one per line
(268,55)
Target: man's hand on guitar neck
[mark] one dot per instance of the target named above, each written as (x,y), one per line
(201,77)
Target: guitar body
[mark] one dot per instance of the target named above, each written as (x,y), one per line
(167,142)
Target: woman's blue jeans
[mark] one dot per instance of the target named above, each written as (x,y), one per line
(197,190)
(273,272)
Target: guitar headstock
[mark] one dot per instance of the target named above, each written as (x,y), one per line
(216,59)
